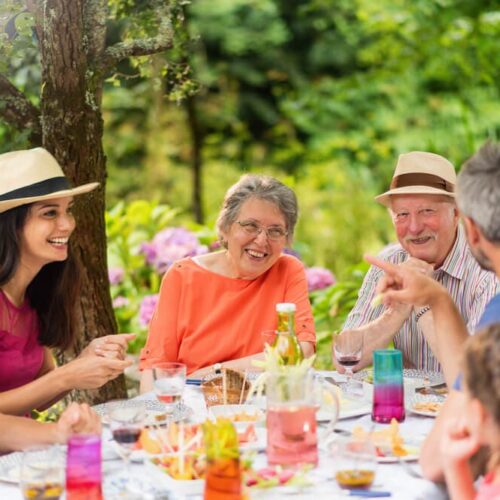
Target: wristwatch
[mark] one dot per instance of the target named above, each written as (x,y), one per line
(420,313)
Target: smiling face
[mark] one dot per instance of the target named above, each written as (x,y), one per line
(249,256)
(426,225)
(46,232)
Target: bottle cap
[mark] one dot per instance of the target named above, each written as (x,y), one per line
(286,307)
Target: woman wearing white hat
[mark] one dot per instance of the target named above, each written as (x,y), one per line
(39,288)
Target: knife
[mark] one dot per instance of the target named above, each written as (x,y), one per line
(357,492)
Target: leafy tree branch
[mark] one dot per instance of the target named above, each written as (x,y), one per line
(140,47)
(18,111)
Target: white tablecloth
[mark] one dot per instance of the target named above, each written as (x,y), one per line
(389,477)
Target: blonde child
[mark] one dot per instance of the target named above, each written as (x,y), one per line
(480,424)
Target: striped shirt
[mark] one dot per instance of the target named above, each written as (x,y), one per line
(470,287)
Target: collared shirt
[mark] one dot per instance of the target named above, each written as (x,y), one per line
(470,287)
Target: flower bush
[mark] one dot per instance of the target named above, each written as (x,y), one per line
(143,244)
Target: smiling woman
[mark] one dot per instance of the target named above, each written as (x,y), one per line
(213,308)
(39,288)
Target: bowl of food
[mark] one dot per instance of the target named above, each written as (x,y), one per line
(182,472)
(226,387)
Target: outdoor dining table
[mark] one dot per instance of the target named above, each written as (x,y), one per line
(400,480)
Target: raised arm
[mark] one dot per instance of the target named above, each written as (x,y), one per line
(407,286)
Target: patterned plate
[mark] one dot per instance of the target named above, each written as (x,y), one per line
(154,410)
(430,377)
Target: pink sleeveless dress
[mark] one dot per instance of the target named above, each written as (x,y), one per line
(21,356)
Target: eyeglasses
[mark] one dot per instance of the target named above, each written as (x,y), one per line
(253,229)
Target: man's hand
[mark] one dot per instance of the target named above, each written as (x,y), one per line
(404,284)
(418,265)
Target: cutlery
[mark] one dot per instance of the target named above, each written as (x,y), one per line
(357,492)
(436,389)
(193,381)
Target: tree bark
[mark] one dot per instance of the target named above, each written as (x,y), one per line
(75,60)
(196,158)
(72,131)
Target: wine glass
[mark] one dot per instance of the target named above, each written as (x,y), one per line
(43,473)
(126,420)
(169,380)
(348,348)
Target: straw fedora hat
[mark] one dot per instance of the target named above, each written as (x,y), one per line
(33,175)
(419,172)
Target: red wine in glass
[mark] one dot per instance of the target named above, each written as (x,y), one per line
(126,436)
(348,348)
(348,361)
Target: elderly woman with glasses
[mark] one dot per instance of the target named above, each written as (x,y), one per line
(213,308)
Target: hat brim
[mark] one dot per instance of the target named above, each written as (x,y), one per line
(84,188)
(384,198)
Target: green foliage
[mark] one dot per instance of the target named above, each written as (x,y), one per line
(330,309)
(127,227)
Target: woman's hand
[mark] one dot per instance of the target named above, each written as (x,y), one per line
(77,419)
(91,372)
(109,346)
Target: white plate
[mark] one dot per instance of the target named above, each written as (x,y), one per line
(349,407)
(184,487)
(427,377)
(153,408)
(421,398)
(413,448)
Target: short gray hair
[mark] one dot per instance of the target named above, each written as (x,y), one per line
(263,187)
(478,190)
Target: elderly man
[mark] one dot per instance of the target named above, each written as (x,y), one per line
(421,202)
(479,203)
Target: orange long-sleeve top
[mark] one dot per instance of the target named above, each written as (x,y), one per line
(204,318)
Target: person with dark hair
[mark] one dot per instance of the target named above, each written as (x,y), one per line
(213,308)
(39,287)
(478,198)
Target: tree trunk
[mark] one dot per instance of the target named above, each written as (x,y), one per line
(72,130)
(196,158)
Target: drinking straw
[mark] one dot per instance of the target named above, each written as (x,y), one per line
(181,449)
(243,387)
(224,388)
(164,443)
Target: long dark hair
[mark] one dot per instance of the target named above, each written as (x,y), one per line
(53,293)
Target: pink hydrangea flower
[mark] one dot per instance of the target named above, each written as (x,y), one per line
(115,275)
(170,245)
(120,301)
(319,278)
(147,308)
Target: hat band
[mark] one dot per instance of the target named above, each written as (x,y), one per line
(428,180)
(41,188)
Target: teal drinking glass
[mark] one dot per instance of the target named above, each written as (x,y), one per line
(388,391)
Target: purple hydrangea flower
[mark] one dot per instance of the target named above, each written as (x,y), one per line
(291,251)
(170,245)
(148,306)
(318,278)
(116,275)
(120,301)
